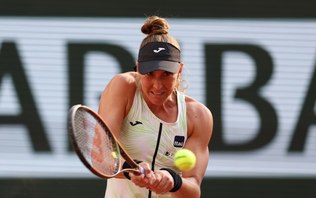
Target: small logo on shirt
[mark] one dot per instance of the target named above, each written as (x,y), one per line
(135,123)
(159,49)
(169,154)
(178,141)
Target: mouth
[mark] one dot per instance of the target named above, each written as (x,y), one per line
(157,94)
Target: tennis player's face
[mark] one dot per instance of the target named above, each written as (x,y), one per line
(158,85)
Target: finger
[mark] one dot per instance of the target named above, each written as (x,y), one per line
(165,182)
(155,179)
(155,182)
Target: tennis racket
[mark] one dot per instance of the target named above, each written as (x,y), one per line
(96,146)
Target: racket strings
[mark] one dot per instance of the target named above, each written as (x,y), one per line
(96,143)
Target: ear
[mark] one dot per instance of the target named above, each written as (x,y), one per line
(180,69)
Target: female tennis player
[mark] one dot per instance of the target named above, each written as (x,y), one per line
(152,118)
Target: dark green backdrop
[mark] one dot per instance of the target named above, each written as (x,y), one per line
(215,187)
(212,187)
(170,8)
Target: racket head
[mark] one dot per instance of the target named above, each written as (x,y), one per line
(93,142)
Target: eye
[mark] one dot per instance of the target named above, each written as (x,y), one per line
(168,73)
(150,74)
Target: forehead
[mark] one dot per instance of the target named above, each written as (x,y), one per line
(161,72)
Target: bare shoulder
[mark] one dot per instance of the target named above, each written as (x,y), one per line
(122,83)
(128,78)
(199,117)
(120,91)
(196,109)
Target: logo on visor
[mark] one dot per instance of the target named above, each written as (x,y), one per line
(159,49)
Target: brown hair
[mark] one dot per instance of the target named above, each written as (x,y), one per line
(157,30)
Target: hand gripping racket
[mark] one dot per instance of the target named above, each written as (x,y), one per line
(95,144)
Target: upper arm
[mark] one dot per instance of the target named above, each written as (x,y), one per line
(200,127)
(115,100)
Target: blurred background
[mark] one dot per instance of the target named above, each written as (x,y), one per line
(252,63)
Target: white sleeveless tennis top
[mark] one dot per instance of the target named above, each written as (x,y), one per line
(147,138)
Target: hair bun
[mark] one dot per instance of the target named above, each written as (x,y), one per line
(155,25)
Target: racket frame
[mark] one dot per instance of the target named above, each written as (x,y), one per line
(135,168)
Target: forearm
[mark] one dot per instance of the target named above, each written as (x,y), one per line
(189,189)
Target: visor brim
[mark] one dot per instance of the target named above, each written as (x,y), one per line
(150,66)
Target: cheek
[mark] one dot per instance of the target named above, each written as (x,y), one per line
(169,81)
(172,82)
(144,82)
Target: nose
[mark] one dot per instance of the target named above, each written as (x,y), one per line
(157,84)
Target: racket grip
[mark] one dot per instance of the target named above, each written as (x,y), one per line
(141,170)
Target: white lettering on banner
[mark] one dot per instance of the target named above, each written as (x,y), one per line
(40,48)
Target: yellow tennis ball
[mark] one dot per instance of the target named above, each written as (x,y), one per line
(184,159)
(114,155)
